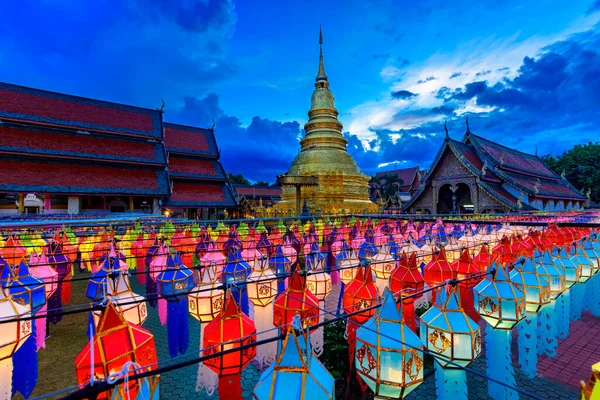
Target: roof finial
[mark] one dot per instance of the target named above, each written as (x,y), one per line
(468,129)
(321,75)
(446,129)
(212,128)
(536,153)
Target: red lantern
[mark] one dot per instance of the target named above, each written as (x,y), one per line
(115,343)
(484,258)
(405,280)
(465,268)
(229,330)
(296,299)
(504,253)
(438,271)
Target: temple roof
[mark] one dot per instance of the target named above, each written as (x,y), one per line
(49,142)
(190,140)
(409,176)
(19,103)
(250,191)
(194,168)
(200,194)
(62,177)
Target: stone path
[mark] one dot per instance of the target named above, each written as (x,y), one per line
(576,353)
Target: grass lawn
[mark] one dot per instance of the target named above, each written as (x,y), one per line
(67,339)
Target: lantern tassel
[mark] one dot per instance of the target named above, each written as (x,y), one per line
(263,319)
(66,290)
(6,369)
(595,309)
(151,290)
(40,326)
(528,345)
(207,378)
(563,319)
(92,326)
(316,337)
(499,363)
(547,342)
(183,329)
(25,366)
(451,383)
(577,294)
(55,304)
(162,311)
(173,327)
(467,303)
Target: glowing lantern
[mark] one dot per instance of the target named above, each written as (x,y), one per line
(97,287)
(12,252)
(262,289)
(406,280)
(231,329)
(348,266)
(554,274)
(383,264)
(438,271)
(389,355)
(318,283)
(116,343)
(234,276)
(25,288)
(297,374)
(214,260)
(502,305)
(504,252)
(499,302)
(282,267)
(483,258)
(448,331)
(367,249)
(296,299)
(467,272)
(12,336)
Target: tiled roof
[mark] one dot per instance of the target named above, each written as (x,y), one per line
(546,188)
(261,191)
(62,177)
(50,142)
(190,140)
(196,194)
(39,106)
(472,160)
(407,175)
(509,159)
(186,167)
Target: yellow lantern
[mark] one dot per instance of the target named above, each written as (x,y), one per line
(348,267)
(383,263)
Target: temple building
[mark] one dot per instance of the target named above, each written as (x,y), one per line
(477,175)
(409,181)
(324,171)
(62,154)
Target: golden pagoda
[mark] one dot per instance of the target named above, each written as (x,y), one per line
(330,179)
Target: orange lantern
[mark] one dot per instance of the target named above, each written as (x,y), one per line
(230,330)
(405,280)
(465,269)
(438,271)
(116,343)
(13,253)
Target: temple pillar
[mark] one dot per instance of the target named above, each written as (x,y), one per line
(104,203)
(155,207)
(22,203)
(47,203)
(131,207)
(73,205)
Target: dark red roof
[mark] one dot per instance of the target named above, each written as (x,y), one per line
(509,159)
(61,177)
(259,191)
(546,188)
(50,142)
(42,107)
(196,194)
(407,175)
(190,140)
(187,167)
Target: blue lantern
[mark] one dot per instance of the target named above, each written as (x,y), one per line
(98,284)
(235,274)
(281,265)
(27,289)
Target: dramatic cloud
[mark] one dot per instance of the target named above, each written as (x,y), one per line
(403,95)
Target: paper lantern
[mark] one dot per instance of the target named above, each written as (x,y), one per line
(296,299)
(483,258)
(468,273)
(438,271)
(367,249)
(572,269)
(361,294)
(348,265)
(282,267)
(535,286)
(25,288)
(12,252)
(448,331)
(297,374)
(97,287)
(12,336)
(499,302)
(555,274)
(406,280)
(39,268)
(231,329)
(116,343)
(389,357)
(132,306)
(580,258)
(383,263)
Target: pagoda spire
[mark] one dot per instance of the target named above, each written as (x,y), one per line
(468,129)
(321,75)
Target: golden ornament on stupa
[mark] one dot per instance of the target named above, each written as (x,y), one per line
(325,173)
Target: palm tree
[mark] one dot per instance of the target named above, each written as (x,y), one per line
(390,186)
(375,188)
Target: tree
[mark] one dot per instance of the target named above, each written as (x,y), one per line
(237,179)
(261,183)
(581,165)
(374,188)
(391,186)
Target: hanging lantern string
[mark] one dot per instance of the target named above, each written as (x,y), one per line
(94,307)
(87,276)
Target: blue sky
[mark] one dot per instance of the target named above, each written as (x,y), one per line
(528,73)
